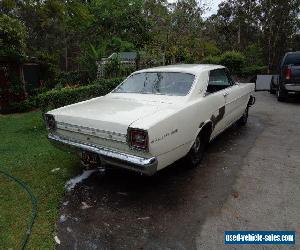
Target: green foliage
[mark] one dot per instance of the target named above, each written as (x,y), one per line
(254,70)
(61,97)
(90,55)
(12,39)
(210,49)
(74,35)
(211,60)
(6,6)
(16,87)
(72,78)
(20,107)
(254,55)
(118,45)
(233,60)
(113,68)
(48,68)
(123,19)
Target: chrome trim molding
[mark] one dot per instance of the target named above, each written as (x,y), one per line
(147,166)
(102,134)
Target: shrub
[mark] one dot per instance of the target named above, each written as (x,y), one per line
(110,83)
(234,61)
(210,48)
(254,54)
(72,78)
(61,97)
(254,70)
(211,60)
(19,107)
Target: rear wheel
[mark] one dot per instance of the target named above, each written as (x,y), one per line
(196,153)
(280,95)
(272,90)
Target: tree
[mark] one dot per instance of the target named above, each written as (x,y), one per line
(13,37)
(236,24)
(279,21)
(269,26)
(185,32)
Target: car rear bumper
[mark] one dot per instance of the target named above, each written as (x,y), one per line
(147,166)
(292,87)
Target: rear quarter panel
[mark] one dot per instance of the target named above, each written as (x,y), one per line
(172,132)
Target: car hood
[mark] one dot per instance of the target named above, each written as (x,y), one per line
(110,113)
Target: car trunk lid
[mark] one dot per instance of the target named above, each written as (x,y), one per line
(105,114)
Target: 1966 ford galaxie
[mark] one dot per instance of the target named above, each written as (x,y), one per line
(153,118)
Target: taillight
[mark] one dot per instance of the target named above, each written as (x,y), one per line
(138,139)
(288,74)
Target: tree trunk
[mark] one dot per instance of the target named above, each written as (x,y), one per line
(66,59)
(22,79)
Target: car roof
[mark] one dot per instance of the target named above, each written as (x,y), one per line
(194,69)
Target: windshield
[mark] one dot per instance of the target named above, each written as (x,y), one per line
(159,83)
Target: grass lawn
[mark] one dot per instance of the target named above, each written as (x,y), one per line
(26,154)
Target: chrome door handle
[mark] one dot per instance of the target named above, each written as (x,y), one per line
(225,94)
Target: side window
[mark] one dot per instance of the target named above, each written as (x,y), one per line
(218,80)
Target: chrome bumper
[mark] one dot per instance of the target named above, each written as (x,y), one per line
(147,166)
(292,87)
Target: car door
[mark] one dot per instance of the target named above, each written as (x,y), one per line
(220,84)
(215,93)
(235,101)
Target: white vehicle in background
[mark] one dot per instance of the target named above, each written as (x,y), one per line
(153,118)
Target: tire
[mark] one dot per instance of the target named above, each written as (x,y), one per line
(196,153)
(272,90)
(244,119)
(280,95)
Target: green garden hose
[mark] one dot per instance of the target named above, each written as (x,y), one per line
(34,207)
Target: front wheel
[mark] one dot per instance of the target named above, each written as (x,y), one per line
(244,119)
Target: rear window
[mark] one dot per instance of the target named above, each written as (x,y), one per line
(158,83)
(292,59)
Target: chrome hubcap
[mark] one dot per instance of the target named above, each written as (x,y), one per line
(197,145)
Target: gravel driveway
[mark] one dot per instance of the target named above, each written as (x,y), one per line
(249,180)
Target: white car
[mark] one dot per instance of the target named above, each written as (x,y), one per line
(153,118)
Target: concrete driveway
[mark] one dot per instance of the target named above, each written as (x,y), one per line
(249,180)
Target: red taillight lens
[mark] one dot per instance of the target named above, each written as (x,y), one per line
(138,139)
(288,74)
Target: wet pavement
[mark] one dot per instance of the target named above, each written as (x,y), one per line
(191,209)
